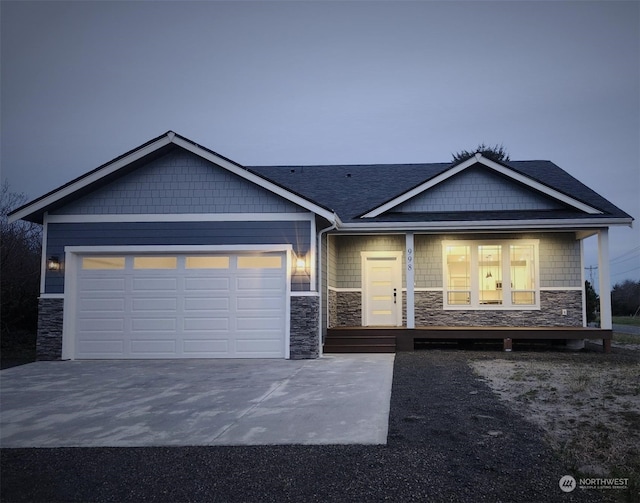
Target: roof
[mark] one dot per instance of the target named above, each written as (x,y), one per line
(369,195)
(353,191)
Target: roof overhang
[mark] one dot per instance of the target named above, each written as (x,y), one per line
(503,170)
(488,225)
(37,207)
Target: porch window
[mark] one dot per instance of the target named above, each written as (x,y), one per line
(490,274)
(458,271)
(523,275)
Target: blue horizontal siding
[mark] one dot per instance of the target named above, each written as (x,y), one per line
(59,235)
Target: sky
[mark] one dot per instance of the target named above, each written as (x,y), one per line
(315,82)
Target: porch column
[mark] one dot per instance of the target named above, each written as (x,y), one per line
(410,278)
(604,279)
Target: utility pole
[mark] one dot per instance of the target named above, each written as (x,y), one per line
(591,268)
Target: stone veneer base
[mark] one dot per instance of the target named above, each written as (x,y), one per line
(345,311)
(305,324)
(49,339)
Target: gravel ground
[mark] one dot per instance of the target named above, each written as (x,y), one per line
(450,439)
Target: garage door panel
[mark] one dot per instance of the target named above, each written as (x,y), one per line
(101,285)
(156,285)
(186,311)
(258,303)
(259,323)
(152,324)
(105,348)
(207,284)
(255,348)
(101,325)
(259,284)
(206,304)
(206,324)
(92,305)
(153,347)
(196,347)
(155,304)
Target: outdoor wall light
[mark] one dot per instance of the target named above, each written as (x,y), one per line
(301,265)
(53,263)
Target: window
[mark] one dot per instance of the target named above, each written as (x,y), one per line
(490,274)
(260,262)
(155,262)
(523,277)
(207,262)
(458,271)
(96,263)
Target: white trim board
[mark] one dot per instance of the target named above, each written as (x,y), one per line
(486,225)
(176,248)
(561,288)
(181,217)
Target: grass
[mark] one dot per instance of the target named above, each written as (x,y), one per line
(587,404)
(626,338)
(627,320)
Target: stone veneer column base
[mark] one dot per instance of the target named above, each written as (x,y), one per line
(49,341)
(345,309)
(305,320)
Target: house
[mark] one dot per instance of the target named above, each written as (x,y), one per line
(174,251)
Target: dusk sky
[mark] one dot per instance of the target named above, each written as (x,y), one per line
(328,83)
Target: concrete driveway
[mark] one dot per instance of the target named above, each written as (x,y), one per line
(337,399)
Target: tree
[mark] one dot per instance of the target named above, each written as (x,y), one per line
(19,267)
(593,301)
(625,298)
(495,153)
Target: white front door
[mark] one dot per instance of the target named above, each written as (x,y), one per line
(382,289)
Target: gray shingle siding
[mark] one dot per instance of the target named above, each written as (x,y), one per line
(296,233)
(179,182)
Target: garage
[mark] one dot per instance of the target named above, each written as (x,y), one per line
(200,305)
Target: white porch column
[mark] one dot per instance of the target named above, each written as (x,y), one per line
(604,279)
(410,278)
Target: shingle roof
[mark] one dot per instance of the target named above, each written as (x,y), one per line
(352,190)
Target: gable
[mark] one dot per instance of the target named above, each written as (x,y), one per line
(477,189)
(179,182)
(532,183)
(269,196)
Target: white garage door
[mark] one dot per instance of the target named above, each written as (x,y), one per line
(181,306)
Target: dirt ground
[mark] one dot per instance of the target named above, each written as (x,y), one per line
(588,404)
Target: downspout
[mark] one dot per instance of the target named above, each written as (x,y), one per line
(320,277)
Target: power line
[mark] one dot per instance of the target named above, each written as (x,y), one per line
(625,272)
(630,252)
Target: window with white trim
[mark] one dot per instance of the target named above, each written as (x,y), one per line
(491,274)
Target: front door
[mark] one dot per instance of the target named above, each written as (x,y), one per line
(382,289)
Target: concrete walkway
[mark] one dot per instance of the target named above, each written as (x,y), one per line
(337,399)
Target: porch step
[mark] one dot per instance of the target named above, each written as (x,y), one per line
(354,342)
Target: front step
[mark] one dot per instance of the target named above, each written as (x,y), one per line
(355,343)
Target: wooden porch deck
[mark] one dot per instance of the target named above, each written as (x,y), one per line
(392,339)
